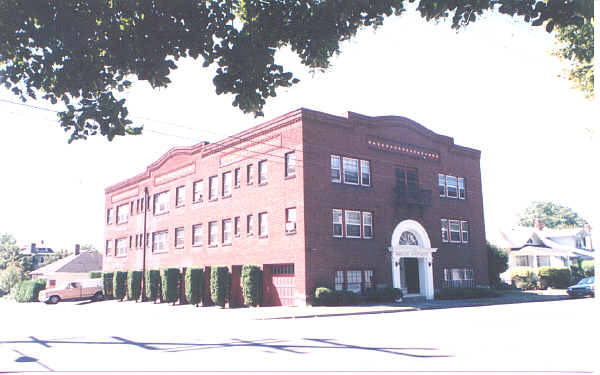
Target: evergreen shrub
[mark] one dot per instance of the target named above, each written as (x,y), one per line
(387,294)
(107,284)
(120,284)
(252,284)
(134,285)
(219,284)
(194,285)
(170,284)
(95,274)
(152,284)
(588,268)
(28,290)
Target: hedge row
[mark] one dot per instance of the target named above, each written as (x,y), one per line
(152,284)
(588,268)
(556,277)
(194,285)
(28,290)
(252,284)
(95,274)
(120,284)
(326,297)
(134,285)
(219,285)
(463,293)
(170,284)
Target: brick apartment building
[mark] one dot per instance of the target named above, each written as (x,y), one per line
(351,202)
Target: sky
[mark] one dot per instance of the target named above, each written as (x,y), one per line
(493,86)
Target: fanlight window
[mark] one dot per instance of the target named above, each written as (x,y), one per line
(407,238)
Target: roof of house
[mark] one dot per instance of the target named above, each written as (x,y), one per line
(85,261)
(521,238)
(37,251)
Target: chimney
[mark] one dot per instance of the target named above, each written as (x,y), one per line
(76,249)
(537,224)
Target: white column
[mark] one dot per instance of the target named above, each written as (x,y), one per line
(396,271)
(429,292)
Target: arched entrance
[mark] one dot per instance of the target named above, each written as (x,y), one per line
(411,257)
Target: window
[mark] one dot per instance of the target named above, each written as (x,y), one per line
(213,188)
(290,164)
(226,184)
(161,203)
(459,277)
(451,187)
(249,225)
(237,176)
(263,229)
(350,171)
(464,225)
(237,226)
(160,241)
(367,224)
(226,228)
(365,173)
(198,190)
(407,182)
(442,184)
(131,208)
(249,173)
(180,196)
(352,224)
(179,237)
(524,261)
(197,235)
(454,230)
(130,240)
(444,223)
(282,269)
(109,216)
(354,281)
(122,213)
(368,283)
(142,204)
(121,245)
(213,227)
(543,261)
(461,188)
(337,223)
(108,247)
(339,280)
(290,220)
(262,171)
(336,175)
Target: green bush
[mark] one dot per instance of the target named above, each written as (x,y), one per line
(194,285)
(170,284)
(588,268)
(28,290)
(543,278)
(219,284)
(107,284)
(497,263)
(523,278)
(134,285)
(95,274)
(559,277)
(120,284)
(252,284)
(383,294)
(152,284)
(465,293)
(325,297)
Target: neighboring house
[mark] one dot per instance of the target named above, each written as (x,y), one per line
(540,247)
(351,203)
(39,255)
(73,267)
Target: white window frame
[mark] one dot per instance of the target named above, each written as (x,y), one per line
(462,192)
(213,233)
(227,184)
(213,188)
(123,213)
(250,224)
(442,184)
(249,174)
(180,196)
(445,230)
(338,169)
(365,164)
(263,225)
(450,231)
(198,190)
(340,223)
(353,279)
(262,172)
(175,240)
(338,282)
(365,215)
(344,169)
(448,178)
(109,216)
(347,213)
(237,226)
(290,219)
(121,246)
(237,178)
(226,231)
(197,235)
(464,233)
(160,241)
(161,203)
(290,164)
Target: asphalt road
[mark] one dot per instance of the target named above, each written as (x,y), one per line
(124,336)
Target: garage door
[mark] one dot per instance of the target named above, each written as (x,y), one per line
(282,286)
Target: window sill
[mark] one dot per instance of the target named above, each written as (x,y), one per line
(125,222)
(263,183)
(263,236)
(236,186)
(250,235)
(180,205)
(226,244)
(160,252)
(121,256)
(213,246)
(250,183)
(179,247)
(226,196)
(291,177)
(213,199)
(161,213)
(290,233)
(198,201)
(199,245)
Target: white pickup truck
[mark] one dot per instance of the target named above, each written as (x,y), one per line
(73,290)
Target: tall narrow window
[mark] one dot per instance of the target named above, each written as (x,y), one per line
(263,228)
(365,173)
(451,186)
(213,187)
(290,164)
(444,224)
(179,237)
(197,235)
(198,190)
(226,184)
(121,245)
(213,234)
(336,170)
(237,176)
(226,227)
(109,216)
(108,247)
(180,196)
(367,218)
(461,188)
(249,225)
(161,203)
(407,183)
(339,280)
(368,281)
(131,209)
(354,281)
(352,224)
(122,213)
(337,223)
(442,184)
(262,171)
(350,171)
(249,173)
(290,220)
(454,230)
(464,226)
(237,226)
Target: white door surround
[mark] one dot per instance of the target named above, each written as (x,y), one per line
(410,240)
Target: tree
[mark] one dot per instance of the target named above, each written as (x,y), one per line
(83,52)
(9,277)
(577,46)
(550,215)
(497,263)
(9,251)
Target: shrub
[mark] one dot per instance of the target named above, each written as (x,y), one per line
(219,283)
(194,285)
(28,290)
(543,277)
(170,283)
(387,294)
(9,277)
(120,284)
(523,278)
(588,268)
(325,297)
(252,285)
(497,263)
(559,277)
(134,285)
(152,284)
(464,293)
(95,274)
(107,284)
